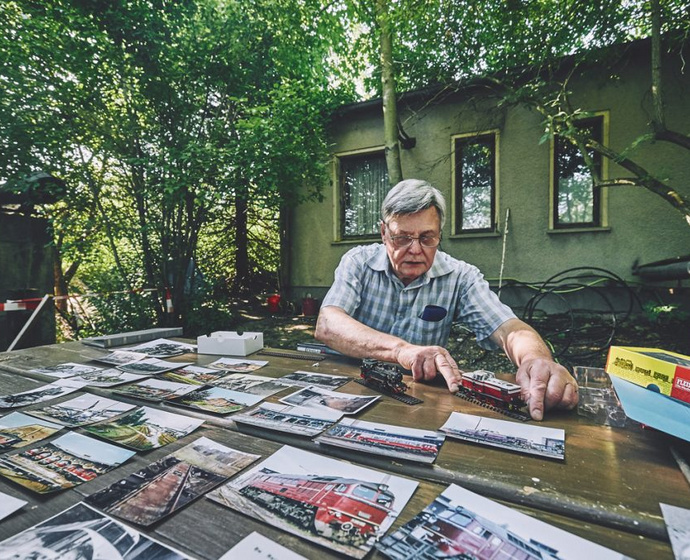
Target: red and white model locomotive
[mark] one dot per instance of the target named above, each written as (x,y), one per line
(485,387)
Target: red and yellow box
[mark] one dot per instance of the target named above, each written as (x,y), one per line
(659,370)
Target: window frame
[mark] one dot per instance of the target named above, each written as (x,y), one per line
(340,194)
(600,196)
(456,142)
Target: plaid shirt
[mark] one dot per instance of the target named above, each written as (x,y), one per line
(366,289)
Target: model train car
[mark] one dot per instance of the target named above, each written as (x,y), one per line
(384,377)
(484,386)
(342,509)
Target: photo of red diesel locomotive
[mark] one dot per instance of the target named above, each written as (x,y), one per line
(346,510)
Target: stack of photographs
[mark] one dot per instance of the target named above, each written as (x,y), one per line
(335,504)
(44,393)
(68,369)
(18,429)
(315,397)
(233,365)
(107,378)
(383,439)
(462,524)
(298,420)
(215,400)
(171,483)
(151,366)
(121,357)
(65,462)
(82,410)
(82,532)
(252,384)
(163,348)
(194,375)
(514,436)
(145,428)
(155,390)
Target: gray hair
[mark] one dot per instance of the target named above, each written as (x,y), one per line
(410,196)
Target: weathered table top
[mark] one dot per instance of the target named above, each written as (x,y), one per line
(607,490)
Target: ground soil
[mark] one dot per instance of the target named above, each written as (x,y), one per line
(581,342)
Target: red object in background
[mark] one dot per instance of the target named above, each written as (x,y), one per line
(273,303)
(309,307)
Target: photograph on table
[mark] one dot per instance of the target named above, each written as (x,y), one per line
(462,524)
(307,378)
(677,521)
(215,400)
(107,378)
(152,366)
(120,357)
(514,436)
(155,390)
(9,504)
(43,393)
(163,348)
(82,532)
(257,547)
(410,444)
(252,384)
(317,397)
(171,483)
(145,428)
(298,420)
(18,429)
(194,375)
(234,365)
(68,369)
(338,505)
(65,462)
(85,409)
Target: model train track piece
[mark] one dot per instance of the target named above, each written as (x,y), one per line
(514,414)
(407,399)
(294,354)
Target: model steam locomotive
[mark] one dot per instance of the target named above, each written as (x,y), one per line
(383,376)
(341,509)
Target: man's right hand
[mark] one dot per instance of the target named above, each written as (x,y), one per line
(426,362)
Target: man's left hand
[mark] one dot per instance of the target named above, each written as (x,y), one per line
(546,384)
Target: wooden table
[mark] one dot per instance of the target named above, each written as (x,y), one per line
(607,490)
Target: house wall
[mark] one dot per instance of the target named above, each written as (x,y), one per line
(26,270)
(642,227)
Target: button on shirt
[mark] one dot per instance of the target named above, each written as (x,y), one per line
(366,288)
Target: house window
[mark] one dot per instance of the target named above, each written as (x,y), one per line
(475,183)
(363,186)
(576,202)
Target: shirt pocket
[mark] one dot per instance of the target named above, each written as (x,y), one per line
(430,333)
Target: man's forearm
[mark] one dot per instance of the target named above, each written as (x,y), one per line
(520,342)
(341,332)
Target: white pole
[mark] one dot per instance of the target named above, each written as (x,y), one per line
(503,253)
(28,323)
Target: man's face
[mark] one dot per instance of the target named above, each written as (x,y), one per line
(411,262)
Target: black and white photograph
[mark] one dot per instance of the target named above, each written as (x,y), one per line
(121,357)
(151,366)
(298,420)
(82,410)
(322,398)
(462,524)
(163,348)
(43,393)
(215,400)
(410,444)
(237,365)
(171,483)
(252,384)
(155,390)
(68,369)
(194,375)
(83,533)
(677,521)
(341,506)
(514,436)
(307,378)
(18,429)
(107,378)
(9,504)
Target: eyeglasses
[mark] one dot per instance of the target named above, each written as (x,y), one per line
(402,241)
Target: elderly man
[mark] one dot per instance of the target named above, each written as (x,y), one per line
(396,302)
